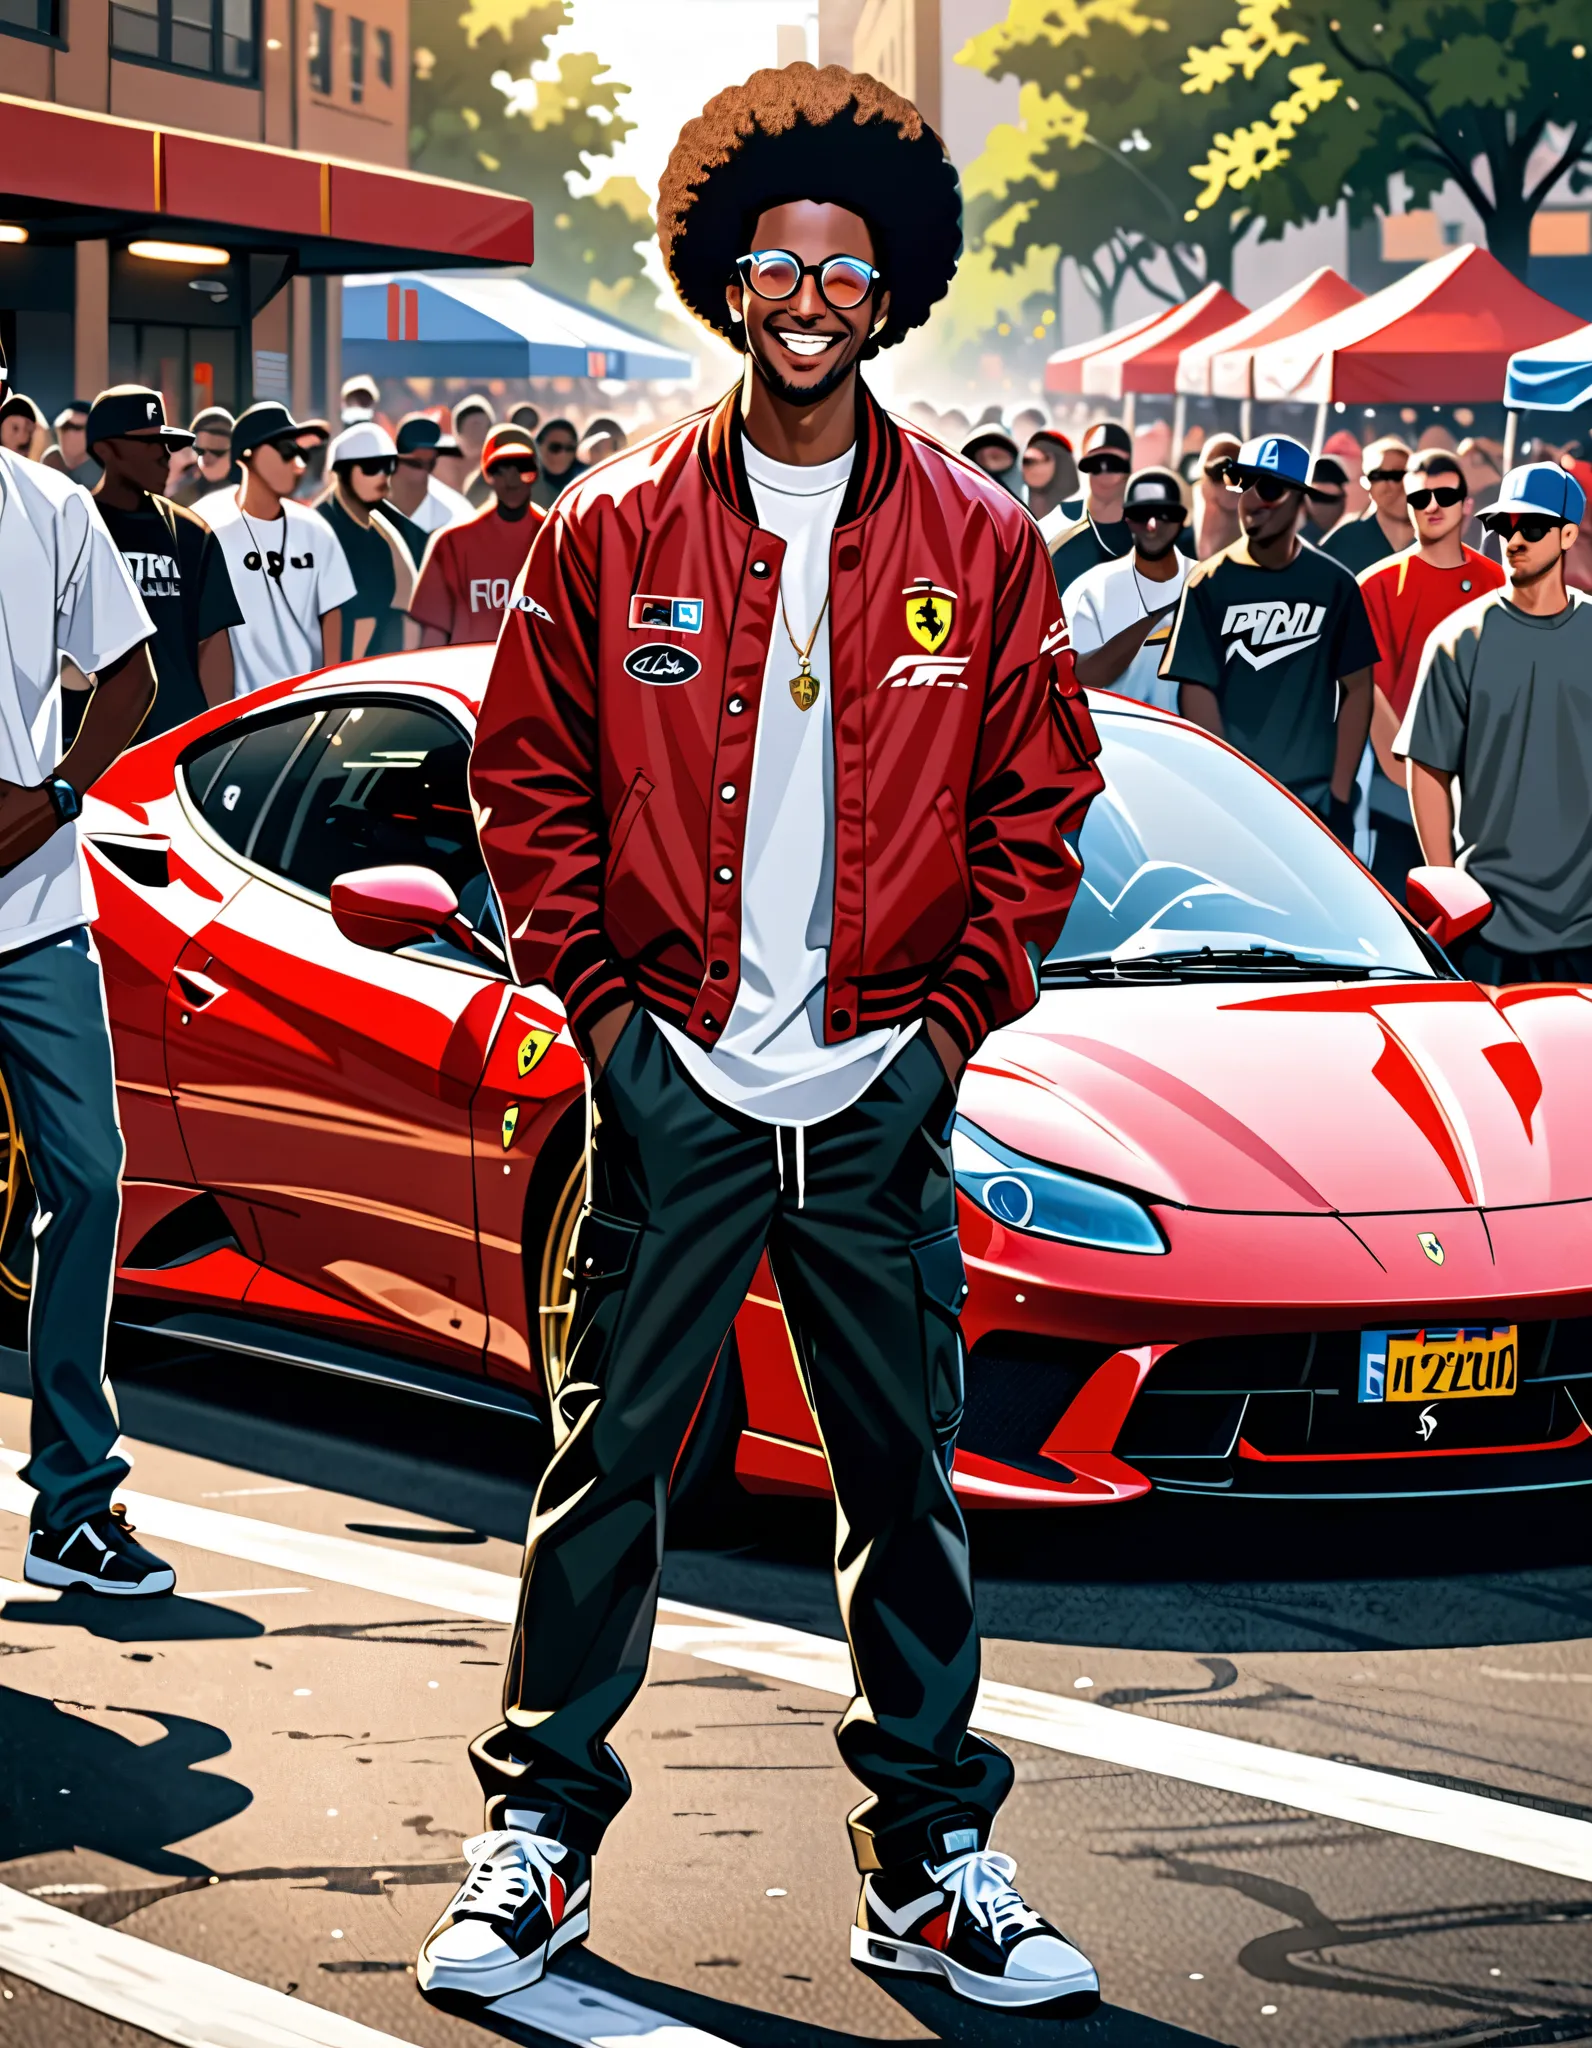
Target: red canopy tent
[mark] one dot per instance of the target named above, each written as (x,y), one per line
(1064,370)
(1442,335)
(1220,366)
(1147,361)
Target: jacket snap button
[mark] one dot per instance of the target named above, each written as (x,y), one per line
(728,792)
(840,1019)
(851,558)
(760,568)
(719,970)
(710,1023)
(735,707)
(726,874)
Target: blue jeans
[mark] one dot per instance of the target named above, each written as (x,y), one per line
(55,1051)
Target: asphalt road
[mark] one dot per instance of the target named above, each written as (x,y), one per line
(267,1773)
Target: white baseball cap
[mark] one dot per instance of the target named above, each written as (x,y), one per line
(365,441)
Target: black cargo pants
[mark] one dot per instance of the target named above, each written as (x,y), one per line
(685,1195)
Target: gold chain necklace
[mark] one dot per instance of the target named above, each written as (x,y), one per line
(803,686)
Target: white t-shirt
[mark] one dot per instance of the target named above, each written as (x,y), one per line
(1109,598)
(281,631)
(441,506)
(771,1061)
(64,589)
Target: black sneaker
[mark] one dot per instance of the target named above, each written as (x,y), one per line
(527,1896)
(964,1921)
(98,1553)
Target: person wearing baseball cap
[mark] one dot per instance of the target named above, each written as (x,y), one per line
(1119,614)
(994,451)
(287,566)
(417,491)
(1383,528)
(1272,647)
(472,567)
(1098,532)
(1501,715)
(65,593)
(383,548)
(173,557)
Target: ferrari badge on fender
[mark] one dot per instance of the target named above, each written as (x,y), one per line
(930,613)
(532,1046)
(1431,1245)
(511,1119)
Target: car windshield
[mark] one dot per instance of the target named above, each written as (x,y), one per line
(1194,863)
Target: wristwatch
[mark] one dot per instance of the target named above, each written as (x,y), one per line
(68,804)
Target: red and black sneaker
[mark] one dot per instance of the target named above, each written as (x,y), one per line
(527,1896)
(964,1921)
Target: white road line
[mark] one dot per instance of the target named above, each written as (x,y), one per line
(1383,1800)
(157,1989)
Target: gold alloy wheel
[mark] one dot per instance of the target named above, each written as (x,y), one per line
(16,1206)
(555,1282)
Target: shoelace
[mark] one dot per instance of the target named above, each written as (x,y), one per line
(508,1865)
(981,1880)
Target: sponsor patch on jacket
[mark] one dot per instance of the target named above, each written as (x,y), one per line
(924,672)
(665,614)
(931,612)
(523,604)
(660,663)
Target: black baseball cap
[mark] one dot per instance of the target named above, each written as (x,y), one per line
(419,431)
(1328,470)
(268,421)
(136,411)
(1107,437)
(1152,488)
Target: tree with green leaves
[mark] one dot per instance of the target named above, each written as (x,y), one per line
(488,105)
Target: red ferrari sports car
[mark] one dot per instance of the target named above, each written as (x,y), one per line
(1260,1199)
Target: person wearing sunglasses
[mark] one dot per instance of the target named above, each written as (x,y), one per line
(1272,647)
(1501,721)
(776,777)
(1323,514)
(382,547)
(1096,531)
(289,573)
(558,457)
(417,491)
(1408,597)
(1383,528)
(472,567)
(1215,506)
(1119,614)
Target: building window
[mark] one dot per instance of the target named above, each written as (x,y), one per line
(356,61)
(384,56)
(39,20)
(320,51)
(213,37)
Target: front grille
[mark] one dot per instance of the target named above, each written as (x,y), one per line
(1017,1388)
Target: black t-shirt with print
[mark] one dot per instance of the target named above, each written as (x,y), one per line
(181,574)
(371,564)
(1272,645)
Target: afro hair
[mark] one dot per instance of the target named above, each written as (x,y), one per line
(835,136)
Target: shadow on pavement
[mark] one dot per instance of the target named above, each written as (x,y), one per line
(71,1782)
(170,1619)
(944,2017)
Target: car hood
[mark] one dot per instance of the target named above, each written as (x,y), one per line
(1290,1097)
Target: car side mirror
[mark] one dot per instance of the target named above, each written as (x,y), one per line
(385,908)
(1447,902)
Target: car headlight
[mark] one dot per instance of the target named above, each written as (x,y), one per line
(1044,1201)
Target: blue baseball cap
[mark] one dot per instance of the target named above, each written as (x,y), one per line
(1541,487)
(1277,455)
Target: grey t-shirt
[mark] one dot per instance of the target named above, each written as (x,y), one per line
(1503,701)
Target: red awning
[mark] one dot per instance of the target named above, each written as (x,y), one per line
(1442,335)
(91,175)
(1064,370)
(1220,365)
(1147,361)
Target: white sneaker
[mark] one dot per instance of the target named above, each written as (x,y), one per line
(526,1897)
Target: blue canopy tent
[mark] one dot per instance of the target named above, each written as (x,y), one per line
(1556,376)
(414,324)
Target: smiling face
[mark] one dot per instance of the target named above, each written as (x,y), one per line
(804,347)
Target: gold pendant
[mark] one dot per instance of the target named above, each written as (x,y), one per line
(804,689)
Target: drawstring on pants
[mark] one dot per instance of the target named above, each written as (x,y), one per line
(799,1131)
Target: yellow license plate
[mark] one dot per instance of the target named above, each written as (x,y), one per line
(1440,1364)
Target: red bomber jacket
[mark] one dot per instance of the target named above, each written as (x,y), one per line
(613,753)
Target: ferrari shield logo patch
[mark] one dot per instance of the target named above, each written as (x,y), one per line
(511,1121)
(930,613)
(532,1046)
(1431,1245)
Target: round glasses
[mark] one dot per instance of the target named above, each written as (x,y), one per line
(844,281)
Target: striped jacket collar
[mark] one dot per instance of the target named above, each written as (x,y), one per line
(873,474)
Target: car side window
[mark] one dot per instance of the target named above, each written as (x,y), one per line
(388,785)
(232,777)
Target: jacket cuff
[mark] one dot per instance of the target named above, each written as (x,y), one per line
(954,1017)
(589,987)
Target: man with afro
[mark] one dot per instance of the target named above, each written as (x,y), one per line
(775,776)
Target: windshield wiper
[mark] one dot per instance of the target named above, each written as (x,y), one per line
(1218,962)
